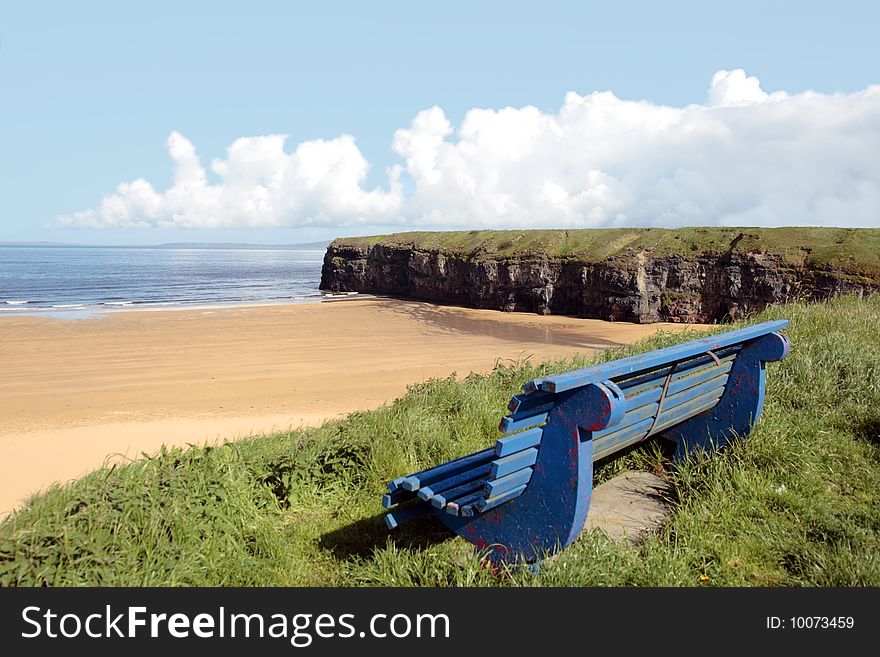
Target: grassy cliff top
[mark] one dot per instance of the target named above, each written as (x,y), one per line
(852,250)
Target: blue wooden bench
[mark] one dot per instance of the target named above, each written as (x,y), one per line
(529,494)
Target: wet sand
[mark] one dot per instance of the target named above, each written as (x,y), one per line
(78,393)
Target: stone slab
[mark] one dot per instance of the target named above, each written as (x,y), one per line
(629,506)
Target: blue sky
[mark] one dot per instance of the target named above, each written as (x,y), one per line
(92,94)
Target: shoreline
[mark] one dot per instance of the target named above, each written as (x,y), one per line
(78,391)
(96,310)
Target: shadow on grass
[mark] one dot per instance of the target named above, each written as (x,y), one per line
(361,538)
(868,429)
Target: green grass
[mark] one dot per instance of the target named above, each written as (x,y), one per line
(852,251)
(795,504)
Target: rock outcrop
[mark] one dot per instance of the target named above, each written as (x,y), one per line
(634,286)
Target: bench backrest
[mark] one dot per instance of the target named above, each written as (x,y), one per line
(647,393)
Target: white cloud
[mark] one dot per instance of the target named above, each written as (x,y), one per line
(736,88)
(745,157)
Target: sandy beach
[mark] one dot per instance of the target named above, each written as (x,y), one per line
(78,393)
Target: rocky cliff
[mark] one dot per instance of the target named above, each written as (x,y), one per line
(646,279)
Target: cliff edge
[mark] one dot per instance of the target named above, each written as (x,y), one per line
(627,274)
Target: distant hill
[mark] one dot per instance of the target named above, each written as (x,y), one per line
(241,245)
(41,244)
(173,245)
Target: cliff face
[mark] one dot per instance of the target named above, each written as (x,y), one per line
(636,288)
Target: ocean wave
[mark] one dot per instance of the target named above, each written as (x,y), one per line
(16,303)
(69,305)
(117,303)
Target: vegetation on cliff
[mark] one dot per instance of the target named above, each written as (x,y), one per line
(622,274)
(795,504)
(854,251)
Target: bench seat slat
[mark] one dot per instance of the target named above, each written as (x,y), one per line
(512,444)
(485,505)
(427,492)
(525,402)
(633,364)
(511,425)
(406,513)
(453,494)
(467,505)
(455,508)
(396,496)
(495,487)
(514,462)
(426,477)
(394,484)
(536,409)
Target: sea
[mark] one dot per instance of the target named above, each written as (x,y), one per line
(63,280)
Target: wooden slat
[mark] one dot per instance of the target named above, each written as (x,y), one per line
(537,410)
(502,485)
(394,484)
(705,373)
(619,440)
(525,402)
(645,396)
(426,477)
(405,514)
(678,384)
(479,472)
(685,396)
(642,393)
(626,366)
(492,502)
(512,444)
(509,425)
(634,416)
(532,386)
(453,494)
(518,461)
(466,504)
(687,410)
(634,384)
(396,496)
